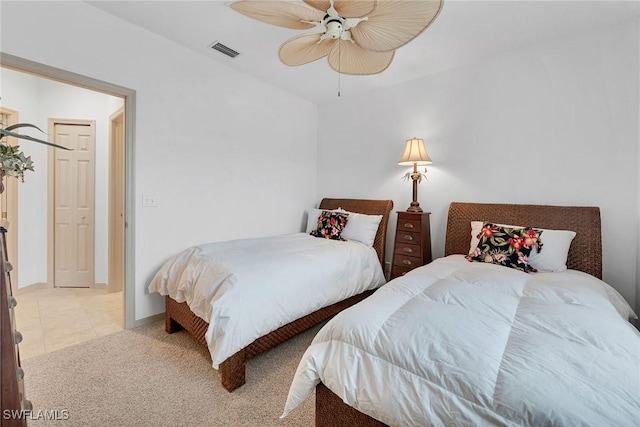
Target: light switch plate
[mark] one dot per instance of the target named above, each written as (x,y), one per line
(149,200)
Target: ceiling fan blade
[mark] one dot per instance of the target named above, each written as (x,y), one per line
(346,8)
(395,23)
(322,5)
(349,58)
(281,13)
(303,49)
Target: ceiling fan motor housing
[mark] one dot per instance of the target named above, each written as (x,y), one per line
(333,26)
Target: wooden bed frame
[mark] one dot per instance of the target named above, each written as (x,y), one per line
(585,254)
(232,371)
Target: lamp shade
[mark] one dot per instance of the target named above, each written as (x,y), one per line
(414,152)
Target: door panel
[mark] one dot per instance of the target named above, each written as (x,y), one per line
(74,201)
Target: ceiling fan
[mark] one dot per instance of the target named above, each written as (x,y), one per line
(358,37)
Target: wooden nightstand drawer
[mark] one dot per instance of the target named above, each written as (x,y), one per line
(408,224)
(407,237)
(407,261)
(407,249)
(397,271)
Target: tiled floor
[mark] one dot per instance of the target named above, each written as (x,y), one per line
(50,319)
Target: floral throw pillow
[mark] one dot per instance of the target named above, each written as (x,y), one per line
(509,247)
(330,225)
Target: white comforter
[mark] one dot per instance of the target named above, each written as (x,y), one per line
(472,344)
(247,288)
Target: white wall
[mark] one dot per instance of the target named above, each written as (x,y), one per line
(552,123)
(225,155)
(638,172)
(43,99)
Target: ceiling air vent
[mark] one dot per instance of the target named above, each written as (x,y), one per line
(224,49)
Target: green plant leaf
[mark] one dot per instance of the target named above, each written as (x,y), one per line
(7,132)
(24,125)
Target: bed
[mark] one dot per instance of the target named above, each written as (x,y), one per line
(238,300)
(471,343)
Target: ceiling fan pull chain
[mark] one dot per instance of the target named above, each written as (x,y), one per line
(339,68)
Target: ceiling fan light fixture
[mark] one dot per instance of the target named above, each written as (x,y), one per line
(333,28)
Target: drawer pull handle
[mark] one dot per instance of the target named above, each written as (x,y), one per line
(406,262)
(408,237)
(19,374)
(408,225)
(17,336)
(408,250)
(12,301)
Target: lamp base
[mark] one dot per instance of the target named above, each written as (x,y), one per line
(414,207)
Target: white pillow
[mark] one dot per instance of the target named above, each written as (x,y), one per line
(360,227)
(312,219)
(555,249)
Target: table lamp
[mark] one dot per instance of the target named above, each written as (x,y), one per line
(415,154)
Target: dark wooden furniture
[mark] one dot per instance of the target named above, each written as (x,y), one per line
(232,370)
(13,404)
(585,254)
(412,246)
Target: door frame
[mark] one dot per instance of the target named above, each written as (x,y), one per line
(11,193)
(51,182)
(117,152)
(129,95)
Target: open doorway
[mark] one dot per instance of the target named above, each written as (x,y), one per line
(112,118)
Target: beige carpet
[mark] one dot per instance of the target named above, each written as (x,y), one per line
(146,377)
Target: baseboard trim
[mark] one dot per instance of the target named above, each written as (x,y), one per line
(37,286)
(30,288)
(147,320)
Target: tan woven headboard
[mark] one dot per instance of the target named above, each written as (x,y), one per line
(585,253)
(369,207)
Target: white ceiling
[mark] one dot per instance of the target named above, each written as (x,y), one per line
(465,31)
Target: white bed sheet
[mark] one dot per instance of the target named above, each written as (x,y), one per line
(473,344)
(247,288)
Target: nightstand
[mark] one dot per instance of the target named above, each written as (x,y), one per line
(412,246)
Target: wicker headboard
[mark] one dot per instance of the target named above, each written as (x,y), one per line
(369,207)
(585,253)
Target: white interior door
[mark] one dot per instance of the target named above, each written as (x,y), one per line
(74,205)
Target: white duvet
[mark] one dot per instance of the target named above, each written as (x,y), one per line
(471,344)
(247,288)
